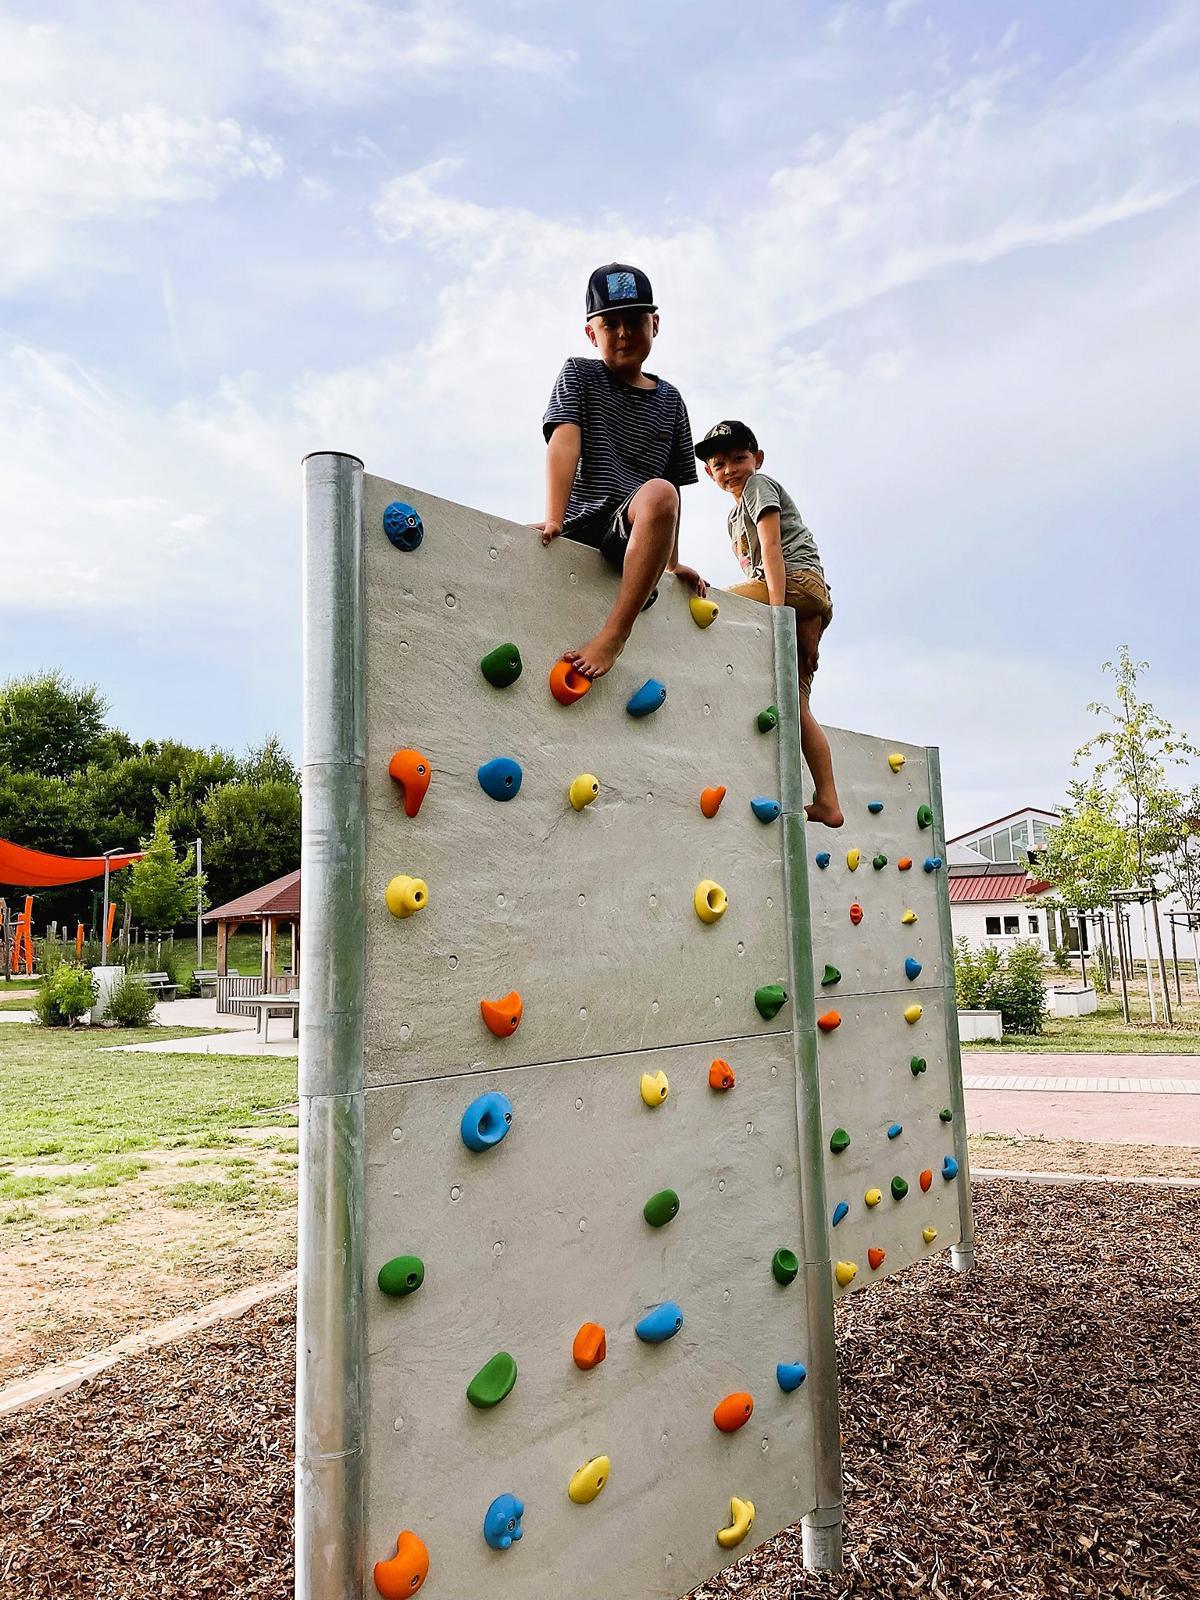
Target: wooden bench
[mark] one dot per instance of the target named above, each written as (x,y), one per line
(273,1005)
(159,982)
(206,981)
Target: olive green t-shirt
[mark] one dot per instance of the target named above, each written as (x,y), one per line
(761,494)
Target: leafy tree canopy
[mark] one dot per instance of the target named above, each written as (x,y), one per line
(50,726)
(161,888)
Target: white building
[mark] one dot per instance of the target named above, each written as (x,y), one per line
(990,875)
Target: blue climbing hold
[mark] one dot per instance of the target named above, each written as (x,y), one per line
(822,859)
(486,1121)
(647,699)
(790,1375)
(874,807)
(501,778)
(765,810)
(932,863)
(895,1130)
(660,1323)
(403,526)
(840,1211)
(502,1521)
(949,1168)
(912,968)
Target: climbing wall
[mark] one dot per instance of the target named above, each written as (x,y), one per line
(527,1188)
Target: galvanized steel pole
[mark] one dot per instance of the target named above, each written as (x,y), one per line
(329,1328)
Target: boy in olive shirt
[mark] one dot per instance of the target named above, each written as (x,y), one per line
(780,560)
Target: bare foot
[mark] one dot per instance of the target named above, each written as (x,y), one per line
(597,656)
(829,815)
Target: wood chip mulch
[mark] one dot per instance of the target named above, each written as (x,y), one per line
(1030,1430)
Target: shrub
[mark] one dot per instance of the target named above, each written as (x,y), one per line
(1017,990)
(973,973)
(130,1004)
(143,959)
(65,997)
(1061,957)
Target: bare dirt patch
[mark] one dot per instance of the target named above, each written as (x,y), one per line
(1005,1154)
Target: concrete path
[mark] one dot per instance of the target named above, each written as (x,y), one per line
(1104,1099)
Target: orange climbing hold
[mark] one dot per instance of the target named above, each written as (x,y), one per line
(829,1022)
(875,1257)
(925,1179)
(720,1075)
(904,864)
(406,1571)
(503,1016)
(733,1412)
(589,1349)
(710,800)
(856,913)
(412,772)
(567,685)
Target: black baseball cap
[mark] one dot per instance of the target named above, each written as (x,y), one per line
(618,287)
(726,436)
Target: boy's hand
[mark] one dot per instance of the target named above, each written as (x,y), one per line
(692,578)
(548,530)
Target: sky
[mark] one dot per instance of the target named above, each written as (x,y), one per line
(942,257)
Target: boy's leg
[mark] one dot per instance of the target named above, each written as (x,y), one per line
(653,514)
(825,807)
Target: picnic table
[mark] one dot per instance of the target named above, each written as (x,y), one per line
(273,1005)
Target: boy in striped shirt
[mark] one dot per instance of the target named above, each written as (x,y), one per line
(619,448)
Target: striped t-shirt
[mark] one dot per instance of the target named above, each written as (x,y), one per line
(628,436)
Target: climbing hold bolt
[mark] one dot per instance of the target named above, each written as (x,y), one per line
(895,1130)
(913,1013)
(403,526)
(840,1212)
(710,901)
(660,1323)
(789,1375)
(945,1114)
(839,1140)
(949,1168)
(765,809)
(822,859)
(733,1412)
(590,1347)
(583,790)
(875,1257)
(661,1208)
(879,861)
(412,772)
(500,778)
(873,1197)
(917,1065)
(856,913)
(831,975)
(587,1483)
(486,1120)
(899,1188)
(908,918)
(741,1520)
(932,863)
(829,1022)
(503,1017)
(493,1382)
(925,1180)
(401,1275)
(874,807)
(853,857)
(502,1521)
(655,1088)
(912,968)
(929,1235)
(502,665)
(720,1075)
(406,1571)
(567,685)
(710,800)
(770,998)
(405,895)
(895,761)
(704,612)
(904,864)
(845,1272)
(784,1267)
(767,719)
(642,702)
(924,817)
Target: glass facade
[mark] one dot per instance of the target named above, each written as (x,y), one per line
(1013,842)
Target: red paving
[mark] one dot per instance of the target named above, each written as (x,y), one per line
(1100,1118)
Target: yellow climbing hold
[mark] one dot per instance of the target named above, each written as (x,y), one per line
(895,761)
(909,918)
(845,1272)
(583,790)
(710,901)
(405,895)
(655,1088)
(913,1013)
(587,1483)
(704,612)
(873,1196)
(929,1235)
(741,1520)
(853,857)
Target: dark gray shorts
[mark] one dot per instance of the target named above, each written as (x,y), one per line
(611,538)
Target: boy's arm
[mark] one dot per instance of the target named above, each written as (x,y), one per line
(772,556)
(562,463)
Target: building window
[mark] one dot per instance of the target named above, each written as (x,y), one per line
(1033,925)
(991,925)
(1012,924)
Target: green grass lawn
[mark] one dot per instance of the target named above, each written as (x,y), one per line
(1105,1032)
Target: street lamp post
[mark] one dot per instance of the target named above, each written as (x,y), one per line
(104,914)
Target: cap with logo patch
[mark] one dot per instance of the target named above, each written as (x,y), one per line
(618,287)
(727,435)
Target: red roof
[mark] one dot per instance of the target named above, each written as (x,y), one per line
(280,898)
(994,886)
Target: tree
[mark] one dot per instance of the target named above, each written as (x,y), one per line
(1174,839)
(270,763)
(48,725)
(251,834)
(1091,851)
(161,887)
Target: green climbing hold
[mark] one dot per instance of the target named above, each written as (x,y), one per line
(769,999)
(924,817)
(945,1114)
(402,1275)
(879,862)
(832,975)
(502,665)
(767,719)
(785,1266)
(899,1188)
(917,1065)
(839,1140)
(661,1207)
(492,1383)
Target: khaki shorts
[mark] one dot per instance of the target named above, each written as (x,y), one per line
(808,597)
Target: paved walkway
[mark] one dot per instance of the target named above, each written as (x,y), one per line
(1105,1099)
(231,1036)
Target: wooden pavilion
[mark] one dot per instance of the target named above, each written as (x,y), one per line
(276,907)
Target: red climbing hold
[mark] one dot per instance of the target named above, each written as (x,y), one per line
(904,864)
(710,800)
(589,1349)
(925,1179)
(412,772)
(829,1022)
(856,913)
(875,1257)
(733,1412)
(503,1016)
(720,1075)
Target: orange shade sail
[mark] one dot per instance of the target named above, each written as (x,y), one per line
(34,869)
